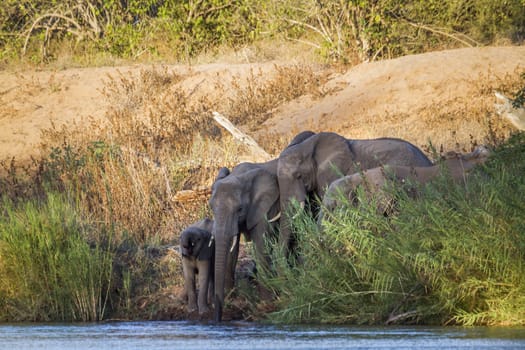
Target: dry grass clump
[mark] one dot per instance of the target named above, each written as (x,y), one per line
(255,96)
(153,113)
(127,169)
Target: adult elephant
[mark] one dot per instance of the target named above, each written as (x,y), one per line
(245,200)
(306,169)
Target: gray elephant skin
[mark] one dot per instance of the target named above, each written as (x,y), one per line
(197,249)
(375,181)
(245,200)
(307,168)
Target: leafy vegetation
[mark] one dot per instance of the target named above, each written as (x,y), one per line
(453,256)
(347,31)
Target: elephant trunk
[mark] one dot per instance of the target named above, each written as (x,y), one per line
(299,194)
(224,231)
(220,266)
(285,229)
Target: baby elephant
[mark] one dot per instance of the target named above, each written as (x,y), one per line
(198,249)
(374,180)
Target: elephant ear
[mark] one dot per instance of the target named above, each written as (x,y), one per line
(223,172)
(333,159)
(264,195)
(206,251)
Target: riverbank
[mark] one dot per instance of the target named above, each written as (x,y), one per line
(103,159)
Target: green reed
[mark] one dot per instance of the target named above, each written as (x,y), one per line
(456,255)
(50,270)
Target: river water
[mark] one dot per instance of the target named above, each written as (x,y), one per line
(250,336)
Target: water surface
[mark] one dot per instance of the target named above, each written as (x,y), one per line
(249,336)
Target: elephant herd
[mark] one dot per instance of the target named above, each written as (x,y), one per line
(323,166)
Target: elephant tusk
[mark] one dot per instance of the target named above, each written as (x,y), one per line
(275,218)
(211,241)
(233,244)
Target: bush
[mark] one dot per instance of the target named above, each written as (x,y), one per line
(345,31)
(454,256)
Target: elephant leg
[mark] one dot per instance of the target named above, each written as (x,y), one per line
(188,270)
(204,278)
(229,282)
(262,257)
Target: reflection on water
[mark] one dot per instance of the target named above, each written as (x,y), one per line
(239,336)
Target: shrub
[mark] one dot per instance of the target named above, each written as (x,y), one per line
(456,255)
(346,31)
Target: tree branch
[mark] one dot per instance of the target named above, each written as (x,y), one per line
(472,42)
(257,150)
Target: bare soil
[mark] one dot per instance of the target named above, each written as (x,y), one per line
(442,97)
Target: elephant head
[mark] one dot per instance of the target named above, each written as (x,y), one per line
(242,202)
(373,182)
(195,240)
(343,187)
(306,168)
(300,137)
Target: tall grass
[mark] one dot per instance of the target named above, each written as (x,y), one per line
(50,270)
(456,255)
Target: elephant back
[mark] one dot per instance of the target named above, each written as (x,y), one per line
(386,151)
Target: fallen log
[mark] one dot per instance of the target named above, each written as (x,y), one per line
(258,152)
(191,195)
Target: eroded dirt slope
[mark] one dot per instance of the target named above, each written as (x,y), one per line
(440,96)
(433,96)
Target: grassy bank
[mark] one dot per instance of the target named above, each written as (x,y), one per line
(454,256)
(84,228)
(103,198)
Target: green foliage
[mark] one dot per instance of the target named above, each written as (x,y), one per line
(339,30)
(49,268)
(370,29)
(455,255)
(127,29)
